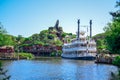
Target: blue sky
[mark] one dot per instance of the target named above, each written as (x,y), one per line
(26,17)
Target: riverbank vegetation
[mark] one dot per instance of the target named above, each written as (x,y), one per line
(117,61)
(109,41)
(54,36)
(24,55)
(48,42)
(116,76)
(58,53)
(112,38)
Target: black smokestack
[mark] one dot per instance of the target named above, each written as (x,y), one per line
(78,29)
(90,28)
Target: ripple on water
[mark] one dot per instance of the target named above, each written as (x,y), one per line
(58,69)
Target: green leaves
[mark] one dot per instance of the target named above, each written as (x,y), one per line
(100,40)
(117,61)
(58,43)
(51,36)
(6,40)
(116,14)
(112,31)
(113,37)
(26,55)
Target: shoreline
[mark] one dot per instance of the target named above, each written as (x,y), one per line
(38,57)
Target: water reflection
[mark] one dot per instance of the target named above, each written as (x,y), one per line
(58,69)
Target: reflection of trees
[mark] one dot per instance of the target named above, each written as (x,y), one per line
(3,73)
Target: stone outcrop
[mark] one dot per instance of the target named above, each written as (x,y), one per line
(56,30)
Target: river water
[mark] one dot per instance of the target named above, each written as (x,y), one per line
(57,69)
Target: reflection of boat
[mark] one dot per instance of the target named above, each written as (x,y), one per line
(81,47)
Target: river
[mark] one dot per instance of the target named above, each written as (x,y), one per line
(57,69)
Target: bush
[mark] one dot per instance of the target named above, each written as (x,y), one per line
(116,76)
(59,52)
(117,61)
(53,54)
(26,55)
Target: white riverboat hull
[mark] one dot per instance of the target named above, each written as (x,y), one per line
(79,57)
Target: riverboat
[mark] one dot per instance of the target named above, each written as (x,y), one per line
(82,47)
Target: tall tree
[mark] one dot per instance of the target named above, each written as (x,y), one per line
(20,39)
(112,32)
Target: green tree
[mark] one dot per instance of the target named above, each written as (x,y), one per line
(100,45)
(35,37)
(117,61)
(43,35)
(116,14)
(6,40)
(64,34)
(113,37)
(20,39)
(58,43)
(100,40)
(112,32)
(51,36)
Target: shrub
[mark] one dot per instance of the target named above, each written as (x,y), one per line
(53,54)
(59,52)
(117,61)
(26,55)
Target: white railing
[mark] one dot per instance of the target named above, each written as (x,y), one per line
(75,49)
(92,48)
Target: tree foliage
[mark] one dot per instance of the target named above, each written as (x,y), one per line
(25,55)
(112,31)
(113,37)
(117,61)
(6,40)
(58,43)
(50,37)
(100,41)
(116,14)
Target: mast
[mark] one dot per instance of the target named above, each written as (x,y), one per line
(78,37)
(90,29)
